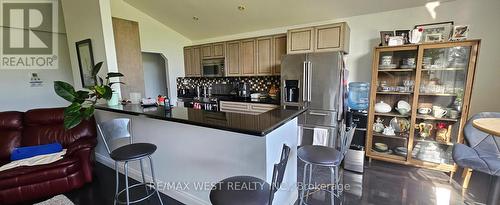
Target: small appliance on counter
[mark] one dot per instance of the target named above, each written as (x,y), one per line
(355,157)
(244,91)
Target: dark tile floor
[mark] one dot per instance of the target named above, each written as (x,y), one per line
(381,183)
(385,183)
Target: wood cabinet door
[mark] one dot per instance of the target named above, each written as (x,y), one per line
(247,57)
(329,37)
(233,59)
(188,59)
(279,49)
(300,40)
(264,56)
(196,62)
(218,50)
(206,51)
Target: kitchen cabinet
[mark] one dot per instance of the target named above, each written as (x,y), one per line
(233,59)
(247,57)
(192,61)
(214,50)
(300,40)
(240,107)
(325,38)
(265,56)
(279,49)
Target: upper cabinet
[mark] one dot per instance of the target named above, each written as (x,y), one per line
(279,50)
(247,57)
(326,38)
(192,61)
(214,50)
(233,59)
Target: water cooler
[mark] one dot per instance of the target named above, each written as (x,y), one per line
(358,100)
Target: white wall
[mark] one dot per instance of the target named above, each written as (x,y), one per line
(15,90)
(158,38)
(154,75)
(481,15)
(90,19)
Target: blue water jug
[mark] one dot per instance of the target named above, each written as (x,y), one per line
(358,98)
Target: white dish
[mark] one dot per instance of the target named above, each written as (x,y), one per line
(382,107)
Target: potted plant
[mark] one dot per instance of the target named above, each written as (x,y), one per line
(83,101)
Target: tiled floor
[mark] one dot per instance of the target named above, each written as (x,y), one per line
(385,184)
(381,183)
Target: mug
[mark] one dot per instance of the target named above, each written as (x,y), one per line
(410,61)
(438,112)
(424,110)
(453,114)
(386,60)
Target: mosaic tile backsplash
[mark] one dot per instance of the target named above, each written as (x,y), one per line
(257,83)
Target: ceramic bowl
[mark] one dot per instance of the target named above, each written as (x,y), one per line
(404,105)
(381,147)
(382,107)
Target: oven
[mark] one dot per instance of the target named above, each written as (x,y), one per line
(213,67)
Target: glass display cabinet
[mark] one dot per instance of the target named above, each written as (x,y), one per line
(419,102)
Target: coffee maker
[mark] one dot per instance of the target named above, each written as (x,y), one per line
(244,91)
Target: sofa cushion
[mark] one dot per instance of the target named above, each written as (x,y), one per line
(45,126)
(11,125)
(26,175)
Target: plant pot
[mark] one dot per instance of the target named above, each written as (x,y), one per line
(114,100)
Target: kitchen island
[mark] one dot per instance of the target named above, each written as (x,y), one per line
(198,148)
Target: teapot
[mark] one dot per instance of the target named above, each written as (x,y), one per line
(425,129)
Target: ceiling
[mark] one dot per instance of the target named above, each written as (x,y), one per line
(222,17)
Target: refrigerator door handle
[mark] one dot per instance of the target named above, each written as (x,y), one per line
(309,74)
(304,82)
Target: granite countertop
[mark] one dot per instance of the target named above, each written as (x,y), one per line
(258,125)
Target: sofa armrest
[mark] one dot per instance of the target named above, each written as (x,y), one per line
(83,149)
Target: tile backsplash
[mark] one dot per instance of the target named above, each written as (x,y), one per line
(257,83)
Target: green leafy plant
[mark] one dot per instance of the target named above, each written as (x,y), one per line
(83,101)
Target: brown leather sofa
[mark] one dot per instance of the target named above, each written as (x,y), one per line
(44,126)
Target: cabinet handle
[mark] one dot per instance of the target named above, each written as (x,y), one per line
(304,83)
(318,113)
(309,68)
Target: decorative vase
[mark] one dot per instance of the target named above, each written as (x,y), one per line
(114,100)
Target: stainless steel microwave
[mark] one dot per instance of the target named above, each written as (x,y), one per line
(213,67)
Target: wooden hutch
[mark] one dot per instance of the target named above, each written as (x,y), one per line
(436,77)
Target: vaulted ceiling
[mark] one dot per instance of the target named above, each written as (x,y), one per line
(222,17)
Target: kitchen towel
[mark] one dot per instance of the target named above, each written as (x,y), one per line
(320,137)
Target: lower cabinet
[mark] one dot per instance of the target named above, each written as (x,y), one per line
(246,108)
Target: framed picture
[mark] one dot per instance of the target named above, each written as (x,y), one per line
(396,41)
(384,37)
(85,61)
(405,34)
(460,33)
(443,28)
(433,37)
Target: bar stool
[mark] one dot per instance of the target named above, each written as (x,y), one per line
(325,157)
(118,141)
(224,192)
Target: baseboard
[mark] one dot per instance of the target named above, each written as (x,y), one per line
(180,196)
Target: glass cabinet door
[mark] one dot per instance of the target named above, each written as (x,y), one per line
(443,80)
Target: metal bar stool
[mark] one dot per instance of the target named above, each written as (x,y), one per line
(118,141)
(325,157)
(224,192)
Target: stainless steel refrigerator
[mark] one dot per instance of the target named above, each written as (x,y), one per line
(315,81)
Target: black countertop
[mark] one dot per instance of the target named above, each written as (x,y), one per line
(258,125)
